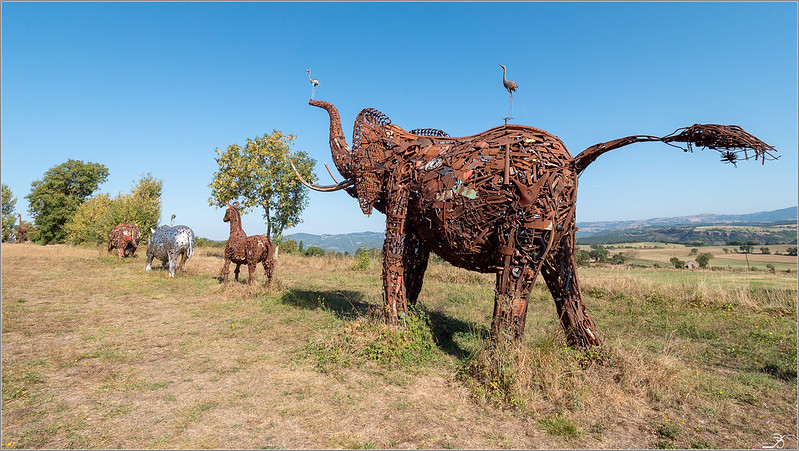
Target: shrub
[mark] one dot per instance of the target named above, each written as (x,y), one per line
(314,251)
(679,264)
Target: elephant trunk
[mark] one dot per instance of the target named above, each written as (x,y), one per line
(342,155)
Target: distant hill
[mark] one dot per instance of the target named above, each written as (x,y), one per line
(763,217)
(763,227)
(349,242)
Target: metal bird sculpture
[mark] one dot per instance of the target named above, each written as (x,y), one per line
(510,86)
(314,82)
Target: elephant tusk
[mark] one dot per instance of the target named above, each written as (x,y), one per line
(331,173)
(327,188)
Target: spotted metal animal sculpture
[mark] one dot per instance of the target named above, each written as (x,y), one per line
(125,239)
(172,245)
(22,232)
(243,249)
(501,201)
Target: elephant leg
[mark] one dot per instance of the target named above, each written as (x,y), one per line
(519,267)
(394,294)
(559,272)
(414,259)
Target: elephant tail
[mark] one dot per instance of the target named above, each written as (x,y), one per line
(731,141)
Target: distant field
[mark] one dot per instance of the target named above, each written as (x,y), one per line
(649,253)
(97,353)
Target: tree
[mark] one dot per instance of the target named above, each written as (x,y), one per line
(598,253)
(9,218)
(54,199)
(745,248)
(703,259)
(288,246)
(791,251)
(95,218)
(581,257)
(314,251)
(259,175)
(765,250)
(679,264)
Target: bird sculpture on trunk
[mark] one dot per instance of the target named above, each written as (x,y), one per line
(314,82)
(511,86)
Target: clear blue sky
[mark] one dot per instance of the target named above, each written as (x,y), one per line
(156,87)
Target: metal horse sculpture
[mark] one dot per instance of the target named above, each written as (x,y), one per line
(170,244)
(501,201)
(243,249)
(125,239)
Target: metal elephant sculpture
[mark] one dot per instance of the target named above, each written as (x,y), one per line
(501,201)
(125,239)
(172,245)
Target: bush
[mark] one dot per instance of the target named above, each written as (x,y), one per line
(288,247)
(703,259)
(679,264)
(94,218)
(314,251)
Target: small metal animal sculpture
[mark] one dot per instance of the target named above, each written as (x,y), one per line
(172,245)
(511,87)
(501,201)
(243,249)
(314,82)
(22,232)
(125,239)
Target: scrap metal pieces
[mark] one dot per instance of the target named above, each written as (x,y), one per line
(124,238)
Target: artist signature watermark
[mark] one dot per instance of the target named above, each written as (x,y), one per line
(779,441)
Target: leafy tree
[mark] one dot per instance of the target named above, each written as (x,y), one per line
(598,253)
(95,218)
(582,257)
(791,251)
(288,246)
(726,251)
(694,251)
(679,264)
(703,259)
(745,248)
(9,218)
(618,259)
(314,251)
(301,247)
(54,199)
(259,175)
(765,250)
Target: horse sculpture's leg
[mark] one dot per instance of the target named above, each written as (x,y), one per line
(561,278)
(414,260)
(394,294)
(149,262)
(236,271)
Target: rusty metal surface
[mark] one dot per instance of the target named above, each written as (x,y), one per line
(250,250)
(500,201)
(22,232)
(125,239)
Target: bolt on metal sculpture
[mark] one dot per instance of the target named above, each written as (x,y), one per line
(242,249)
(501,201)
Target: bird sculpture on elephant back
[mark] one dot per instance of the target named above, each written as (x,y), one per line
(501,201)
(242,249)
(124,238)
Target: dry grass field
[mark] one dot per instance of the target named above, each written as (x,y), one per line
(97,353)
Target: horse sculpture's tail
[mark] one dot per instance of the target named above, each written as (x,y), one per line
(729,140)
